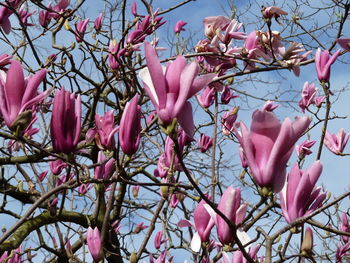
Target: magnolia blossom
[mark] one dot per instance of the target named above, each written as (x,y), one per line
(238,257)
(230,205)
(214,23)
(80,29)
(98,22)
(308,95)
(6,12)
(270,106)
(170,88)
(139,227)
(104,131)
(336,142)
(304,148)
(57,166)
(130,127)
(345,226)
(65,121)
(226,95)
(343,251)
(299,196)
(323,64)
(105,170)
(228,121)
(203,224)
(207,97)
(18,95)
(204,143)
(158,239)
(273,11)
(94,242)
(268,146)
(344,43)
(179,26)
(12,257)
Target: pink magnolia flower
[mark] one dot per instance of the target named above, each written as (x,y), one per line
(105,170)
(230,32)
(344,43)
(336,142)
(174,200)
(135,191)
(308,95)
(93,240)
(45,16)
(41,177)
(13,257)
(169,90)
(6,12)
(323,64)
(27,133)
(80,29)
(204,143)
(57,166)
(5,59)
(65,121)
(98,22)
(270,106)
(304,148)
(273,12)
(104,131)
(18,95)
(239,258)
(229,121)
(113,57)
(345,226)
(319,100)
(82,189)
(203,224)
(158,239)
(139,227)
(169,158)
(64,178)
(160,259)
(214,23)
(226,95)
(130,127)
(179,26)
(343,251)
(60,7)
(206,99)
(134,9)
(268,146)
(230,206)
(24,15)
(243,159)
(299,196)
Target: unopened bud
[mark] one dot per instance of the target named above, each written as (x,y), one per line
(66,25)
(133,257)
(135,191)
(230,81)
(308,243)
(164,191)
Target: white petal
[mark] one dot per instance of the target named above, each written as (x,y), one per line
(243,237)
(211,212)
(146,78)
(196,242)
